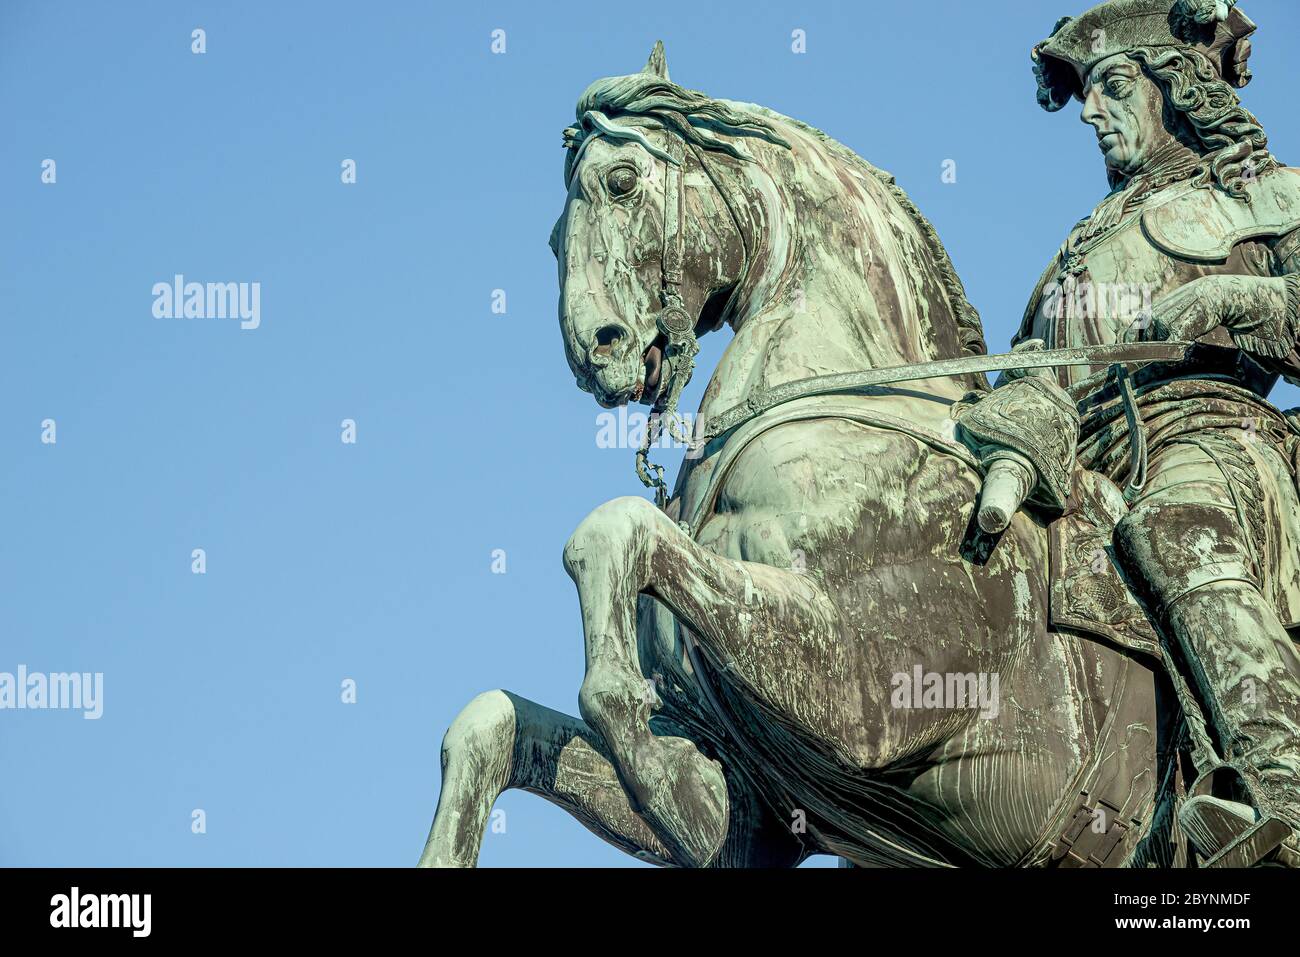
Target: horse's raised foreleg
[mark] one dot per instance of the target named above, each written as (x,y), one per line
(745,614)
(501,741)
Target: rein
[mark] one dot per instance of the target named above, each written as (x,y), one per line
(1117,356)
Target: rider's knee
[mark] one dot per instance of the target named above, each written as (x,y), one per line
(1173,549)
(611,528)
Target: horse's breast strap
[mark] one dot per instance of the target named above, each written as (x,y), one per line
(814,407)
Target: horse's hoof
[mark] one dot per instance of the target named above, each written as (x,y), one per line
(689,805)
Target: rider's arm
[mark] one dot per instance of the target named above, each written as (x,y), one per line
(1261,313)
(1276,339)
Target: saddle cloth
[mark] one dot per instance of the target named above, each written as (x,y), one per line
(1089,590)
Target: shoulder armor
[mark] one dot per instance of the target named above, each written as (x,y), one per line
(1204,224)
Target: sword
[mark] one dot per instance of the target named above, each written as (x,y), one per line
(1123,353)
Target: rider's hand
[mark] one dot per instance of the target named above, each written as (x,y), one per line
(1027,345)
(1261,313)
(1186,314)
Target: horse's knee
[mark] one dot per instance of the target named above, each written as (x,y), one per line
(484,732)
(611,699)
(612,529)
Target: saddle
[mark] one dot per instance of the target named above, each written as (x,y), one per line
(1089,590)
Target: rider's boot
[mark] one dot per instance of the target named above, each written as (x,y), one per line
(1245,667)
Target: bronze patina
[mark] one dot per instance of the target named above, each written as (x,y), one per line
(891,613)
(1206,219)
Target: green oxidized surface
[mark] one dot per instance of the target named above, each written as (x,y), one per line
(816,647)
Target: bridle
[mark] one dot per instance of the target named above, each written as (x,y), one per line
(674,323)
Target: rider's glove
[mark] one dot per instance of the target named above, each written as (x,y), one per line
(1261,313)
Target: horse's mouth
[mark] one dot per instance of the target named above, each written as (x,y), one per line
(652,361)
(649,373)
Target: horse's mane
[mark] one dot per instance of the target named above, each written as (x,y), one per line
(968,320)
(699,118)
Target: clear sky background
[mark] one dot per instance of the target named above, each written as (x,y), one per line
(372,561)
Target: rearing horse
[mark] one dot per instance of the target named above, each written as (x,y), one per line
(752,651)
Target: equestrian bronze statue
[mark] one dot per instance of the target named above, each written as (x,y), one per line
(888,612)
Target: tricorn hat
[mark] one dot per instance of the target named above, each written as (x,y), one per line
(1213,27)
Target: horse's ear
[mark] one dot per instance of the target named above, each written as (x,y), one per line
(657,65)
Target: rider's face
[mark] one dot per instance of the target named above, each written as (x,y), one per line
(1126,109)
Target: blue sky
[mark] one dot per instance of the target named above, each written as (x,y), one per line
(372,561)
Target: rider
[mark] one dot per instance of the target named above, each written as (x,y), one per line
(1202,221)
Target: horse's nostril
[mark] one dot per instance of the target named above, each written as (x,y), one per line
(609,341)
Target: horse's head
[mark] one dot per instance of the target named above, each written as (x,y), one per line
(649,249)
(685,212)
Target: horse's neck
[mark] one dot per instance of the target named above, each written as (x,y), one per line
(826,304)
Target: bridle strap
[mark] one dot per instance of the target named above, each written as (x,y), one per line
(673,321)
(672,252)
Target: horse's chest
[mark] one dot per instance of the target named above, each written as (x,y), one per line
(828,496)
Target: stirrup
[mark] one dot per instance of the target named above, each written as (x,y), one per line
(1231,834)
(1288,855)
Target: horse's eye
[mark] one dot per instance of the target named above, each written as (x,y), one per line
(621,180)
